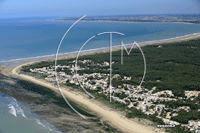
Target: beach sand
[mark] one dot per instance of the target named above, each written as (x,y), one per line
(115,118)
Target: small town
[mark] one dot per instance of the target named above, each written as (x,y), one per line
(133,96)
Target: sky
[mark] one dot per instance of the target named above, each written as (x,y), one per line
(61,8)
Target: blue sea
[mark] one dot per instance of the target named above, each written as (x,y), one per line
(16,117)
(27,38)
(24,38)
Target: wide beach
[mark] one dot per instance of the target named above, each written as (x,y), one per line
(114,117)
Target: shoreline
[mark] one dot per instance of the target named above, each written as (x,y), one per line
(22,109)
(116,119)
(52,114)
(110,21)
(153,42)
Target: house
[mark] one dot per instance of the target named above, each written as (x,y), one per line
(71,81)
(130,105)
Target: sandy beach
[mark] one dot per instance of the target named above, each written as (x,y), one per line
(115,118)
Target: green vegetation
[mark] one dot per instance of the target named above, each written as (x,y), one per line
(184,116)
(133,112)
(110,129)
(178,129)
(174,104)
(45,64)
(37,65)
(175,65)
(172,67)
(121,96)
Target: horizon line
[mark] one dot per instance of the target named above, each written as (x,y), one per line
(57,16)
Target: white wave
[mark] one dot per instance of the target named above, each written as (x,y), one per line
(16,110)
(12,110)
(14,106)
(19,109)
(40,123)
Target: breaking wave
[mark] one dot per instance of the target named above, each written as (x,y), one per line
(39,123)
(14,108)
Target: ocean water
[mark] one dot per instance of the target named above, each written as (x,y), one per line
(24,38)
(16,117)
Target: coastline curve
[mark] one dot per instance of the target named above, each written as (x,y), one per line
(56,57)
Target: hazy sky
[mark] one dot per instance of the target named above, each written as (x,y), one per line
(33,8)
